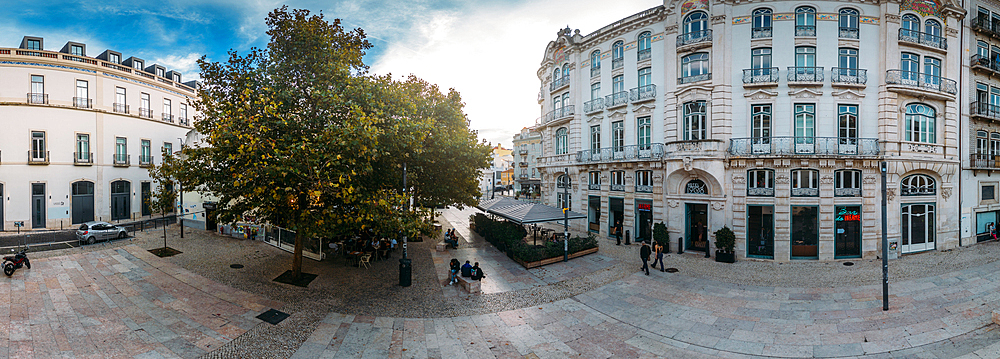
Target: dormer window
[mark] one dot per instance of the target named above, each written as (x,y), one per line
(137,65)
(76,50)
(114,58)
(177,78)
(159,72)
(34,44)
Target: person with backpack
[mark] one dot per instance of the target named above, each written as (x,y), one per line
(658,249)
(644,253)
(477,273)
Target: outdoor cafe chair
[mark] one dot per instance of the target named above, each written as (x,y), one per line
(365,260)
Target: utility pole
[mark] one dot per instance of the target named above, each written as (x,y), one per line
(885,241)
(565,202)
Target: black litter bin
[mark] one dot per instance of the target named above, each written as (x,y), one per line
(404,272)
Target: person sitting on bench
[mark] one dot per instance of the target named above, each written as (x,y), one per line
(477,273)
(466,269)
(451,238)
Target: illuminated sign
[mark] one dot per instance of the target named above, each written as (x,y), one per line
(645,206)
(845,215)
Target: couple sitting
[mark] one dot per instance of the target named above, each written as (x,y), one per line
(451,238)
(470,271)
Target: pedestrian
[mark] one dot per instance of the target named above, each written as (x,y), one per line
(644,254)
(618,231)
(658,249)
(455,266)
(467,269)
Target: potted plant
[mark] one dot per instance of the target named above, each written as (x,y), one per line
(661,236)
(725,241)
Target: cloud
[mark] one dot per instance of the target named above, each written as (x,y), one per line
(185,64)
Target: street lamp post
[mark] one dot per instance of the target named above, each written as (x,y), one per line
(566,183)
(405,264)
(885,241)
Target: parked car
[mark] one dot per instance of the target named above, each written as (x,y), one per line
(94,231)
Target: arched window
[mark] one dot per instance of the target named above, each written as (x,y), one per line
(562,181)
(995,143)
(694,65)
(617,54)
(696,186)
(695,22)
(848,23)
(932,27)
(911,23)
(805,21)
(565,72)
(556,75)
(644,49)
(920,123)
(918,185)
(595,60)
(695,121)
(982,144)
(761,23)
(562,141)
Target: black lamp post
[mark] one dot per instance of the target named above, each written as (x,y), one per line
(566,183)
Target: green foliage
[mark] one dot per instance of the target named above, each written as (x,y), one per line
(163,197)
(660,234)
(725,239)
(509,237)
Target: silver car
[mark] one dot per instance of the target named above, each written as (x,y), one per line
(94,231)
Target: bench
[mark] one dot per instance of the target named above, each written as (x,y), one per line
(441,246)
(469,284)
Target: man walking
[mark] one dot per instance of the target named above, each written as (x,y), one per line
(658,249)
(644,254)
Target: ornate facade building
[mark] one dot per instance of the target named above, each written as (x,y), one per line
(527,148)
(80,133)
(769,117)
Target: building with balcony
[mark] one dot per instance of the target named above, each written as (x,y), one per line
(499,173)
(980,124)
(771,118)
(79,133)
(527,148)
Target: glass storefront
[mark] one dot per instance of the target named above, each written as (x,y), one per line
(917,227)
(644,220)
(697,227)
(848,232)
(594,214)
(805,232)
(760,231)
(616,218)
(985,225)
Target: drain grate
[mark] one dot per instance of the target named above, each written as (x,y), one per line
(848,264)
(671,270)
(235,266)
(272,316)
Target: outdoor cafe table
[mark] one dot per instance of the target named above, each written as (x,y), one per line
(353,257)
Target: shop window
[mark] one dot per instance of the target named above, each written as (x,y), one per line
(760,231)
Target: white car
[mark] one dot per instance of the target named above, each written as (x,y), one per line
(94,231)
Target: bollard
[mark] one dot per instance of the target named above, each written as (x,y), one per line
(404,272)
(680,245)
(708,245)
(627,235)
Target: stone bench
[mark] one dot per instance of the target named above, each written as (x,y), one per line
(473,286)
(441,246)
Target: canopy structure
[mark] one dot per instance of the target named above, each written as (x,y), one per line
(524,212)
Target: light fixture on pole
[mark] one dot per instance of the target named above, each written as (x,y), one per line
(565,204)
(885,240)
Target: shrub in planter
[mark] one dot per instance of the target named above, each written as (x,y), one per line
(725,241)
(661,236)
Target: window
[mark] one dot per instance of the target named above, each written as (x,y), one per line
(982,143)
(144,110)
(167,110)
(983,50)
(168,149)
(618,136)
(694,65)
(618,84)
(761,24)
(159,72)
(988,193)
(617,54)
(847,183)
(565,199)
(760,58)
(909,66)
(38,152)
(911,24)
(82,98)
(805,21)
(562,138)
(595,90)
(695,22)
(595,178)
(137,64)
(696,186)
(645,76)
(121,150)
(847,129)
(34,44)
(76,50)
(37,94)
(805,123)
(932,71)
(848,59)
(805,183)
(177,78)
(595,60)
(760,183)
(644,181)
(144,152)
(848,23)
(761,129)
(644,133)
(644,50)
(920,124)
(805,56)
(184,113)
(617,179)
(694,121)
(932,27)
(918,185)
(595,138)
(995,143)
(565,74)
(82,148)
(120,105)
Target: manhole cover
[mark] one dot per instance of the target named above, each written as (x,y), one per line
(235,266)
(671,270)
(848,264)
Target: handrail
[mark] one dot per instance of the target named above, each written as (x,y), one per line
(805,74)
(694,37)
(621,153)
(804,146)
(848,75)
(760,75)
(921,80)
(923,38)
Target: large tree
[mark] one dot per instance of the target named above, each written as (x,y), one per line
(301,136)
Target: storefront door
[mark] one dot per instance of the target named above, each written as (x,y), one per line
(805,232)
(83,202)
(120,204)
(917,222)
(760,231)
(594,214)
(644,222)
(848,232)
(616,217)
(697,226)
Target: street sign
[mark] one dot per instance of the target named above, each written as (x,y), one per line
(19,224)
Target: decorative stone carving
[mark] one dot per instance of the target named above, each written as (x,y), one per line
(673,203)
(805,93)
(782,179)
(945,192)
(687,164)
(892,18)
(914,147)
(951,32)
(871,179)
(644,110)
(848,95)
(718,205)
(890,193)
(761,95)
(739,179)
(826,179)
(718,19)
(670,29)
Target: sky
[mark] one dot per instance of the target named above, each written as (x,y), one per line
(489,51)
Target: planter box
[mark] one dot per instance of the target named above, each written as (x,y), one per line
(725,257)
(529,265)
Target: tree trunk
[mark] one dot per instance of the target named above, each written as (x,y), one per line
(297,255)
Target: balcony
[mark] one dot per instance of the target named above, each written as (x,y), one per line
(694,78)
(593,105)
(805,75)
(643,54)
(848,32)
(923,38)
(145,161)
(594,186)
(168,118)
(145,112)
(984,161)
(644,188)
(617,63)
(983,63)
(565,111)
(848,76)
(83,102)
(652,151)
(121,160)
(847,192)
(121,108)
(595,71)
(643,93)
(83,158)
(522,164)
(616,99)
(920,82)
(805,192)
(804,146)
(38,98)
(985,111)
(38,157)
(760,192)
(182,121)
(760,77)
(986,26)
(805,30)
(523,176)
(760,33)
(522,152)
(558,83)
(695,37)
(618,187)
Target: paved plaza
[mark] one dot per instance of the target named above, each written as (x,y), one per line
(117,300)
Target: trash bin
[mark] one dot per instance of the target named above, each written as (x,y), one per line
(893,249)
(404,272)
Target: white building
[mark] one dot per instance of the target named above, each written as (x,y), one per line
(527,148)
(80,132)
(770,117)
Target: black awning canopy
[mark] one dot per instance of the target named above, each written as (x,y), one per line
(526,213)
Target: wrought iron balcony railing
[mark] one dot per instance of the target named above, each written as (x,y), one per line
(594,186)
(694,78)
(983,62)
(923,38)
(83,102)
(621,153)
(805,192)
(985,110)
(644,188)
(121,160)
(38,98)
(558,83)
(643,93)
(595,71)
(847,192)
(842,75)
(168,117)
(765,75)
(984,161)
(616,99)
(566,110)
(694,37)
(760,192)
(593,105)
(919,80)
(805,74)
(522,164)
(848,32)
(616,63)
(182,121)
(38,157)
(523,176)
(618,187)
(522,152)
(145,112)
(803,146)
(83,158)
(145,161)
(805,30)
(983,24)
(760,32)
(121,108)
(643,54)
